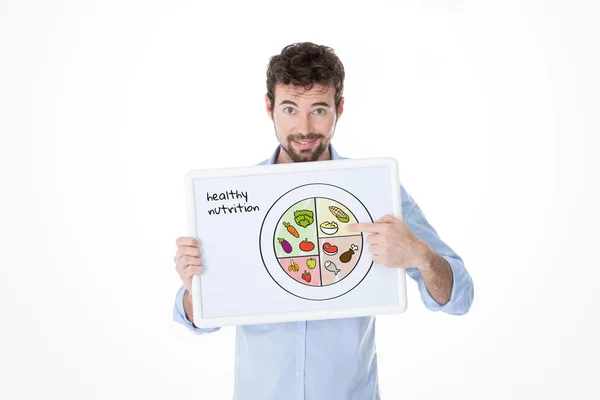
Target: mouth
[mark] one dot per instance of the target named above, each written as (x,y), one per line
(305,144)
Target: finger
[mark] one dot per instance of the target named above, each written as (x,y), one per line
(186,251)
(373,249)
(366,227)
(192,270)
(183,271)
(187,241)
(374,239)
(187,283)
(387,218)
(380,259)
(184,261)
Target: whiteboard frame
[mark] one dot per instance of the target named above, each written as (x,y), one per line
(214,322)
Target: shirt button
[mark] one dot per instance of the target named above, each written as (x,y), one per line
(301,334)
(299,373)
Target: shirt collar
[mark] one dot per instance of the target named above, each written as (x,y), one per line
(271,160)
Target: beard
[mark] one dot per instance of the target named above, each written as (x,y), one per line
(305,154)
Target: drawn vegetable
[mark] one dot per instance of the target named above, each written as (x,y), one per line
(293,267)
(347,256)
(287,247)
(291,229)
(339,214)
(311,263)
(306,276)
(305,245)
(303,217)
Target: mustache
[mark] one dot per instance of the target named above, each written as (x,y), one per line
(308,137)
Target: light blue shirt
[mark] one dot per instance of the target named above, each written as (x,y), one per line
(331,359)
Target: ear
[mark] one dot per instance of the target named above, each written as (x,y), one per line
(340,109)
(268,106)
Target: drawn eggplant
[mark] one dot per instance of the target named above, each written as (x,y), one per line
(285,245)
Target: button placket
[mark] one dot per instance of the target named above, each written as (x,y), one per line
(300,359)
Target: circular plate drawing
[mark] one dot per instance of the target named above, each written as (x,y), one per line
(305,246)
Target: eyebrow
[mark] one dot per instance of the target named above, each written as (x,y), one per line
(319,103)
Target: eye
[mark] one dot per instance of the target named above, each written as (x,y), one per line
(320,111)
(288,108)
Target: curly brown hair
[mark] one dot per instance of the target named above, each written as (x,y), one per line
(306,64)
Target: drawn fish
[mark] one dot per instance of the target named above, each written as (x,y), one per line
(331,267)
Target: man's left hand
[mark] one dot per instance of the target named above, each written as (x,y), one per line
(393,244)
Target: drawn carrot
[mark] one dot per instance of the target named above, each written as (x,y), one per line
(291,229)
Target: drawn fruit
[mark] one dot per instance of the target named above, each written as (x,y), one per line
(293,267)
(305,245)
(303,217)
(306,276)
(347,256)
(291,229)
(311,263)
(339,214)
(285,245)
(329,249)
(329,228)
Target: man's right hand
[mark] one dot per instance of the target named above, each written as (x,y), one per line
(187,264)
(187,260)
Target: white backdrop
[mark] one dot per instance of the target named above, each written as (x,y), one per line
(490,108)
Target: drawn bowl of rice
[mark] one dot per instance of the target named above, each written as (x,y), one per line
(328,228)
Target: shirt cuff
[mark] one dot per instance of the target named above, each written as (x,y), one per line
(457,305)
(179,315)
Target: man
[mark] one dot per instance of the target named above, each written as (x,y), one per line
(326,359)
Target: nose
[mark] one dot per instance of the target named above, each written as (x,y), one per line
(303,126)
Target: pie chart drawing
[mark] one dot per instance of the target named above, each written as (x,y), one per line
(305,245)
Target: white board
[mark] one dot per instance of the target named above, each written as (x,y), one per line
(255,269)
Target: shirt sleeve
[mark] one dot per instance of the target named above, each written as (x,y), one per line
(462,285)
(179,315)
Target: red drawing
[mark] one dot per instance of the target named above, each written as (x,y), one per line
(330,249)
(306,276)
(305,245)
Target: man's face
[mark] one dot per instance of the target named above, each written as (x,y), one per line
(304,121)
